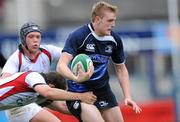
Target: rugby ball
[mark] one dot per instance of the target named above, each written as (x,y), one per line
(80,59)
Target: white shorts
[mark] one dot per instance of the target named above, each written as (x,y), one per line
(24,113)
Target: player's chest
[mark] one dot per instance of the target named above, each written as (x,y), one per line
(101,47)
(42,64)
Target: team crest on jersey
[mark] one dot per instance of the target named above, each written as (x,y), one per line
(19,102)
(90,47)
(108,49)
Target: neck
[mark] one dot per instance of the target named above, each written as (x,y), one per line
(96,29)
(30,54)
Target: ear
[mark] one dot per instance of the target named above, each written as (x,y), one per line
(97,19)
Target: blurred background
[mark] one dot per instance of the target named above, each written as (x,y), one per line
(151,36)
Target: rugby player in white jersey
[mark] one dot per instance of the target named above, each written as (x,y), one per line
(25,87)
(31,56)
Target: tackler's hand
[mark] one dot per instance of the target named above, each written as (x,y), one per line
(88,97)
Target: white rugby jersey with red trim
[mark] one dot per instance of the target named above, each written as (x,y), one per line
(40,64)
(17,90)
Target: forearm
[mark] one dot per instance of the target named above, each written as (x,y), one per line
(58,94)
(4,75)
(123,78)
(65,71)
(62,66)
(124,82)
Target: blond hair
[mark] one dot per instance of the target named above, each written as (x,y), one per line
(99,7)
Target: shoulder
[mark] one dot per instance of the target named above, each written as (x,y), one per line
(34,75)
(116,36)
(14,55)
(81,31)
(13,58)
(12,61)
(51,48)
(34,78)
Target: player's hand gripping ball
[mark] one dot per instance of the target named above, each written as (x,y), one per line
(80,59)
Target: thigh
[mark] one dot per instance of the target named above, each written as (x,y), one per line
(90,113)
(44,116)
(84,112)
(59,106)
(105,98)
(112,114)
(75,108)
(24,113)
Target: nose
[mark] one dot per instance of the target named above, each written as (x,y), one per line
(113,23)
(36,39)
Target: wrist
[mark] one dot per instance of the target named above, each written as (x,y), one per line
(74,78)
(78,96)
(127,97)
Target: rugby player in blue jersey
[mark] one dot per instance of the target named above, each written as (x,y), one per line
(98,41)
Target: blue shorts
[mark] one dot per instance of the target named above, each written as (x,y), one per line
(105,99)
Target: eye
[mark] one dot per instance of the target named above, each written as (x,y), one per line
(30,36)
(38,37)
(111,20)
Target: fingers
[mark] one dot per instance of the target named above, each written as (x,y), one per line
(91,69)
(79,68)
(89,97)
(93,97)
(83,76)
(134,106)
(138,110)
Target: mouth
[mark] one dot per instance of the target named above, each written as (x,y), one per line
(109,29)
(35,46)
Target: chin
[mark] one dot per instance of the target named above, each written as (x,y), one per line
(108,34)
(34,50)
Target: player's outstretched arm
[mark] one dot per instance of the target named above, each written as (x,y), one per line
(123,77)
(59,94)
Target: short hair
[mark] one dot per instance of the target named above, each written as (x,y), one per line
(56,79)
(97,9)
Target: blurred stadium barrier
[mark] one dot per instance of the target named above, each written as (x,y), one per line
(154,111)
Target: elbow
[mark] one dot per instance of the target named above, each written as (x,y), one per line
(59,67)
(49,94)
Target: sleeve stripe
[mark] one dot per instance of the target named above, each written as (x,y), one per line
(39,84)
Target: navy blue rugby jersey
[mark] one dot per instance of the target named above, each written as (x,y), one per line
(100,49)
